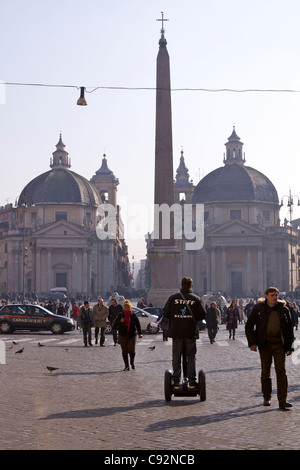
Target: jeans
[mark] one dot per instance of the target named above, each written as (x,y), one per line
(184,350)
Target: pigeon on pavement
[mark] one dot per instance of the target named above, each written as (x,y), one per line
(20,351)
(51,369)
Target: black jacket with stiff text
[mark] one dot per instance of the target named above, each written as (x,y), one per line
(182,323)
(256,326)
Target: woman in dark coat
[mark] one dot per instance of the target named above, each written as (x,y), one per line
(233,317)
(129,326)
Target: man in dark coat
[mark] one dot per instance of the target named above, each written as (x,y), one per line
(113,311)
(184,310)
(213,319)
(269,328)
(86,321)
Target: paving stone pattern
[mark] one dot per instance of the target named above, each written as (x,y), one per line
(90,403)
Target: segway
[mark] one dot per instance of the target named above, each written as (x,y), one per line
(183,390)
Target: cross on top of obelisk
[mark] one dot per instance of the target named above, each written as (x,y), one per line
(162,19)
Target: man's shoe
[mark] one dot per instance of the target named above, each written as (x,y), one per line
(284,405)
(176,384)
(90,344)
(267,403)
(192,386)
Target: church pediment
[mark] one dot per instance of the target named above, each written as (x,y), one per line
(61,228)
(236,227)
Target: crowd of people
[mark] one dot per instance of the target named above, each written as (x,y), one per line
(269,328)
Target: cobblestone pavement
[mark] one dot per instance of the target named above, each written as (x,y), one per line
(91,403)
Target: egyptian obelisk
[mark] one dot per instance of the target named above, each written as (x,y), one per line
(164,254)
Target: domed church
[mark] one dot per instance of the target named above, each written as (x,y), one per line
(49,238)
(245,247)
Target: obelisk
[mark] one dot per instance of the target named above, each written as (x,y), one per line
(164,254)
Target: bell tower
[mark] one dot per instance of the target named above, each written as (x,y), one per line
(60,158)
(234,150)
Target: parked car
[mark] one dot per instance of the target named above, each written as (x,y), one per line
(146,320)
(32,317)
(154,310)
(53,297)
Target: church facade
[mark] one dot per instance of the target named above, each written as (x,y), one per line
(49,239)
(246,246)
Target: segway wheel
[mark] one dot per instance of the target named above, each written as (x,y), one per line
(202,385)
(168,385)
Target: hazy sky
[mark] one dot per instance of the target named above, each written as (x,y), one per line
(237,44)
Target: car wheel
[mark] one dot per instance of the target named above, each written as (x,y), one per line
(152,329)
(5,327)
(108,328)
(56,328)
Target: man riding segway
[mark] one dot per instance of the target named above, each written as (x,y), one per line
(184,310)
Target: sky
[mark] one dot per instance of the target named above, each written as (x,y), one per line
(236,45)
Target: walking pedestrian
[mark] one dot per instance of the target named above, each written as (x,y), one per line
(113,311)
(100,314)
(163,322)
(249,308)
(233,317)
(269,329)
(128,325)
(61,309)
(183,310)
(75,312)
(85,320)
(213,319)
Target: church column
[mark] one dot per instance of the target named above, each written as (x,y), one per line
(224,280)
(38,271)
(249,272)
(213,269)
(73,287)
(49,266)
(280,268)
(84,269)
(264,263)
(260,286)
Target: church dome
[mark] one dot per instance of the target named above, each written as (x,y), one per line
(235,181)
(59,185)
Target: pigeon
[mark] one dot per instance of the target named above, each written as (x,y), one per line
(10,347)
(20,351)
(40,344)
(51,369)
(14,342)
(151,347)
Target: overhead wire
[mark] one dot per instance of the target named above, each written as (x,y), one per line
(90,89)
